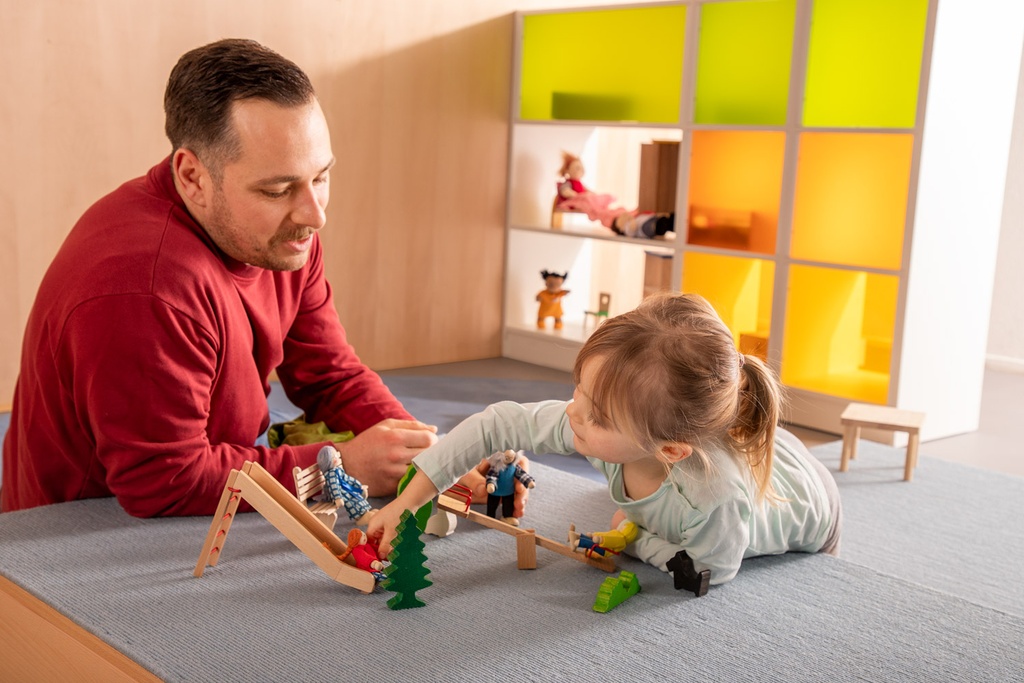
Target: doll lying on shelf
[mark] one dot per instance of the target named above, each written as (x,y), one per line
(573,195)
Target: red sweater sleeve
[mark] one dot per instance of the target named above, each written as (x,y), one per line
(157,447)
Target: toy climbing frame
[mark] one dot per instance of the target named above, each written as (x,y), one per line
(456,500)
(293,519)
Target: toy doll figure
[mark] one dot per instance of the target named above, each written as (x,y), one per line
(341,488)
(550,298)
(364,552)
(573,195)
(501,484)
(644,225)
(601,543)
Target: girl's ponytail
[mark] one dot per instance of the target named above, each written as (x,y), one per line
(757,413)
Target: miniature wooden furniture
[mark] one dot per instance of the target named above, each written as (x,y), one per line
(556,214)
(293,519)
(601,314)
(657,272)
(860,415)
(308,483)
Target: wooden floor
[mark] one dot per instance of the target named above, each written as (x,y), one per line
(997,445)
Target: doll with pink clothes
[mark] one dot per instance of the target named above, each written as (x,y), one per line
(573,195)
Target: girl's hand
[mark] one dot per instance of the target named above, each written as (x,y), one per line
(475,482)
(383,525)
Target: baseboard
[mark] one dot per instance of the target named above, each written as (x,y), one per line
(1004,363)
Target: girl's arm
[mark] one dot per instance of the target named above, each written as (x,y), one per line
(718,544)
(417,493)
(537,427)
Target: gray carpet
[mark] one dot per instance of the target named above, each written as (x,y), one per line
(928,589)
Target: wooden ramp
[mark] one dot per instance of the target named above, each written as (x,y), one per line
(293,519)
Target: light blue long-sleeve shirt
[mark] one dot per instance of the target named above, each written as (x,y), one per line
(714,515)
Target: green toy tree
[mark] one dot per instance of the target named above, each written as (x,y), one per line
(406,574)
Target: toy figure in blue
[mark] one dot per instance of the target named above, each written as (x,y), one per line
(612,541)
(501,484)
(342,488)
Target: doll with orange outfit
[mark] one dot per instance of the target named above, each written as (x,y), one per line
(550,298)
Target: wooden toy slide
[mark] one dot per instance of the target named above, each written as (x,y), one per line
(293,519)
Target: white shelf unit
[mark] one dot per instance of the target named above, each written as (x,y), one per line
(925,350)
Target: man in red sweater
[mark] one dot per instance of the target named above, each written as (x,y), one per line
(145,365)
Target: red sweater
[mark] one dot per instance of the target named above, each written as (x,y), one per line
(144,371)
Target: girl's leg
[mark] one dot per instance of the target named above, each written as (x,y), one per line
(832,542)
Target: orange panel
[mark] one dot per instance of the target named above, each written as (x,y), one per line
(734,173)
(851,198)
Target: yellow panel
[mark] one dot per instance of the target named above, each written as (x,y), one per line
(744,59)
(851,198)
(739,289)
(838,332)
(864,63)
(607,65)
(736,176)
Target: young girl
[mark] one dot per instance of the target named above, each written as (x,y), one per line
(683,427)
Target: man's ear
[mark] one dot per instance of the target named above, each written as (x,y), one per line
(191,176)
(674,452)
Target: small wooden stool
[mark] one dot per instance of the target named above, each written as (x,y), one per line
(858,415)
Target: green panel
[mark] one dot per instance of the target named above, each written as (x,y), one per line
(743,62)
(605,65)
(864,63)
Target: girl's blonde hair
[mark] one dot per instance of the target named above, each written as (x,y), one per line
(671,373)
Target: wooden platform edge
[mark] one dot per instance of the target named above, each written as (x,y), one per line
(40,643)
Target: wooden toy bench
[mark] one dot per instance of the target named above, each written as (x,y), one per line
(308,483)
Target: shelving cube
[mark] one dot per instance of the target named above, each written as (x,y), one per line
(839,164)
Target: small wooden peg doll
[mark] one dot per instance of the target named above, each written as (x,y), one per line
(501,484)
(550,298)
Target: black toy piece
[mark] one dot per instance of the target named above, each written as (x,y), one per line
(686,576)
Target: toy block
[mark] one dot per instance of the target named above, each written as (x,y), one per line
(526,549)
(685,575)
(441,524)
(615,590)
(860,415)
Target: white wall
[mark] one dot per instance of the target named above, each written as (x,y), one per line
(1006,328)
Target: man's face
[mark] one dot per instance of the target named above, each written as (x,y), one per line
(271,199)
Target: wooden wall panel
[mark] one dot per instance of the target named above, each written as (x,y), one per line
(417,96)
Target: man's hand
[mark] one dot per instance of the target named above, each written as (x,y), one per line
(380,456)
